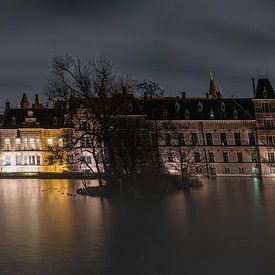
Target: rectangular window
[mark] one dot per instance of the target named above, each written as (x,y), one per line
(270,140)
(50,142)
(194,137)
(38,144)
(272,170)
(251,139)
(25,144)
(209,139)
(89,159)
(269,124)
(38,160)
(241,170)
(18,144)
(31,144)
(167,138)
(239,157)
(7,143)
(7,160)
(223,138)
(266,107)
(211,157)
(271,157)
(237,137)
(226,170)
(18,160)
(197,157)
(60,142)
(225,157)
(31,160)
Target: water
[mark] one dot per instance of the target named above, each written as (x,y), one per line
(225,227)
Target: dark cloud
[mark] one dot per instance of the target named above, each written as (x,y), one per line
(173,42)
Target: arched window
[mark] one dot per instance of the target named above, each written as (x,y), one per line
(187,114)
(177,107)
(200,106)
(235,114)
(222,106)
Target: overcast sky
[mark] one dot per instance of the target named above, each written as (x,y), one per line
(173,42)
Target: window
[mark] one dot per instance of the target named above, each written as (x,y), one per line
(269,124)
(271,157)
(223,138)
(170,157)
(226,170)
(89,159)
(167,138)
(25,144)
(197,157)
(18,160)
(211,157)
(55,120)
(38,160)
(251,139)
(7,160)
(237,137)
(272,170)
(270,140)
(31,144)
(18,144)
(50,142)
(241,170)
(31,160)
(239,157)
(13,121)
(266,107)
(7,143)
(194,137)
(209,139)
(225,157)
(38,144)
(181,139)
(82,142)
(60,142)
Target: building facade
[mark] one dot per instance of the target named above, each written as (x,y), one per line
(208,136)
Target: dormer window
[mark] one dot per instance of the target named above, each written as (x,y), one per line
(200,106)
(165,114)
(222,106)
(54,120)
(235,113)
(187,114)
(30,113)
(265,93)
(177,107)
(211,114)
(13,121)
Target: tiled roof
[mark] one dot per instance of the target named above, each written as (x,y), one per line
(199,109)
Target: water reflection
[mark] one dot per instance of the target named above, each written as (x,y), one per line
(225,227)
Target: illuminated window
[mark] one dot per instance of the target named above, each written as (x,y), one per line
(7,144)
(25,144)
(32,160)
(18,144)
(50,142)
(38,144)
(31,144)
(60,142)
(18,159)
(7,160)
(38,160)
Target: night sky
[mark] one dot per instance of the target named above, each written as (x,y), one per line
(173,42)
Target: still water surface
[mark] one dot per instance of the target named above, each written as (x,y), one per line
(224,227)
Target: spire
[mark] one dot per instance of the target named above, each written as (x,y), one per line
(36,102)
(212,88)
(25,102)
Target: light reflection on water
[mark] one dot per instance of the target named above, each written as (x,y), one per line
(225,227)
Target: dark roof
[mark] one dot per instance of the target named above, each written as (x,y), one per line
(199,109)
(40,118)
(264,89)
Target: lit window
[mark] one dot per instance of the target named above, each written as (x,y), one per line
(7,143)
(60,142)
(7,160)
(50,142)
(31,143)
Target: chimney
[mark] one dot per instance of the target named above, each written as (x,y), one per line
(254,87)
(8,105)
(183,95)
